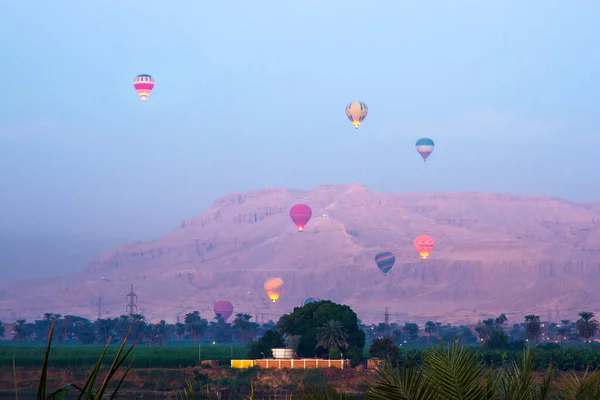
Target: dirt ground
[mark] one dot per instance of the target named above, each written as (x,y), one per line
(173,380)
(169,382)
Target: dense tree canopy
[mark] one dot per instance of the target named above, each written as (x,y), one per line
(306,321)
(263,347)
(385,349)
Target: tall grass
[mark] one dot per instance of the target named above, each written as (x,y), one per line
(89,390)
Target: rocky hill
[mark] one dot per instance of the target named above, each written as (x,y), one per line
(494,253)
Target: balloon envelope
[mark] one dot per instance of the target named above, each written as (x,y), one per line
(274,288)
(385,261)
(311,300)
(300,214)
(424,245)
(143,84)
(224,308)
(425,147)
(356,112)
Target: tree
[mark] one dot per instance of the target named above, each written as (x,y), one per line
(500,320)
(179,330)
(532,327)
(263,347)
(385,349)
(195,324)
(245,330)
(2,330)
(293,341)
(221,330)
(381,330)
(430,328)
(412,330)
(84,330)
(332,336)
(563,330)
(306,320)
(586,325)
(498,339)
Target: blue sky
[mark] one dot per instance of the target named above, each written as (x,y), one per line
(251,94)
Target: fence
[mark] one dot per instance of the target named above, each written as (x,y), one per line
(242,363)
(302,363)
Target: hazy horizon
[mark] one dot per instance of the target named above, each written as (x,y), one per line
(253,95)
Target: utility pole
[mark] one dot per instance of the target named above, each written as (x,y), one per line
(99,305)
(131,307)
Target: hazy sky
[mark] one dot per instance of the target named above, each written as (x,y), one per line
(251,94)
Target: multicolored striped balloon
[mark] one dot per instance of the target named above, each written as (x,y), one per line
(424,245)
(311,300)
(356,112)
(425,147)
(143,84)
(385,261)
(274,288)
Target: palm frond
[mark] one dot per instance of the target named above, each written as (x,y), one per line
(15,379)
(588,387)
(545,387)
(516,381)
(491,382)
(455,371)
(42,391)
(405,382)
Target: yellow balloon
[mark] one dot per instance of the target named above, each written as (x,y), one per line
(356,112)
(274,288)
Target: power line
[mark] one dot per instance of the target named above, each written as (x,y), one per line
(131,307)
(99,305)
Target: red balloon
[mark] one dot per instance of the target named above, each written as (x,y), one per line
(300,214)
(224,308)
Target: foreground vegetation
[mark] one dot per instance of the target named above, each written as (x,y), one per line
(448,373)
(495,365)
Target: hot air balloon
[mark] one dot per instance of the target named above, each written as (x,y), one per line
(224,308)
(425,147)
(424,245)
(356,112)
(385,261)
(143,84)
(311,300)
(300,214)
(274,288)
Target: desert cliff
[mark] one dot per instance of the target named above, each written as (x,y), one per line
(494,253)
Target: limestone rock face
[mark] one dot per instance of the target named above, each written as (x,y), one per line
(493,253)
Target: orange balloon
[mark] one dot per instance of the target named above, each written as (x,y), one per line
(424,245)
(274,288)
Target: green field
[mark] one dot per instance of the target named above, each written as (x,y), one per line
(186,355)
(168,356)
(165,356)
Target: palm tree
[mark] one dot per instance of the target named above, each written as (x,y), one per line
(332,335)
(564,329)
(500,320)
(457,373)
(586,325)
(20,332)
(532,327)
(430,328)
(245,330)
